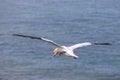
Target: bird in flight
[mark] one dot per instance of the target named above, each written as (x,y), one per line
(66,50)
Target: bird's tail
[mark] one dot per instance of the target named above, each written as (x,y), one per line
(75,57)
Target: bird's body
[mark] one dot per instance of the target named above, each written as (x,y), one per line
(66,50)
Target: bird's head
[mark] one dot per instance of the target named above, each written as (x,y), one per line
(55,51)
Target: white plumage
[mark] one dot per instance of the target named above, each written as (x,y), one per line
(66,50)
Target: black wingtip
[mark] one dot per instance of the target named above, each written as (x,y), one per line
(14,34)
(27,36)
(102,43)
(108,44)
(20,35)
(17,35)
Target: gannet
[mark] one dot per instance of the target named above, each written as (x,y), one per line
(66,50)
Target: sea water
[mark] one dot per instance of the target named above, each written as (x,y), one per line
(66,22)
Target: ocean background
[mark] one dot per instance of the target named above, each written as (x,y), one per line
(66,22)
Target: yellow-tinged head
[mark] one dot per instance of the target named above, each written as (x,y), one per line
(55,51)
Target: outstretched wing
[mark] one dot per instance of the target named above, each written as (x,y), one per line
(39,38)
(86,44)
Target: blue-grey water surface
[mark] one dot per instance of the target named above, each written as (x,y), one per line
(67,22)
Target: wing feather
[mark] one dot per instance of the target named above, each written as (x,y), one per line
(87,44)
(39,38)
(80,45)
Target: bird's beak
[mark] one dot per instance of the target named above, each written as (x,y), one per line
(55,52)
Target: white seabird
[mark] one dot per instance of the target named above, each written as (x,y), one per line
(66,50)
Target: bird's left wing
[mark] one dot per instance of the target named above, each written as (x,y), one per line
(80,45)
(39,38)
(86,44)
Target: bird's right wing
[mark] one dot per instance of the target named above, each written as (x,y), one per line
(39,38)
(86,44)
